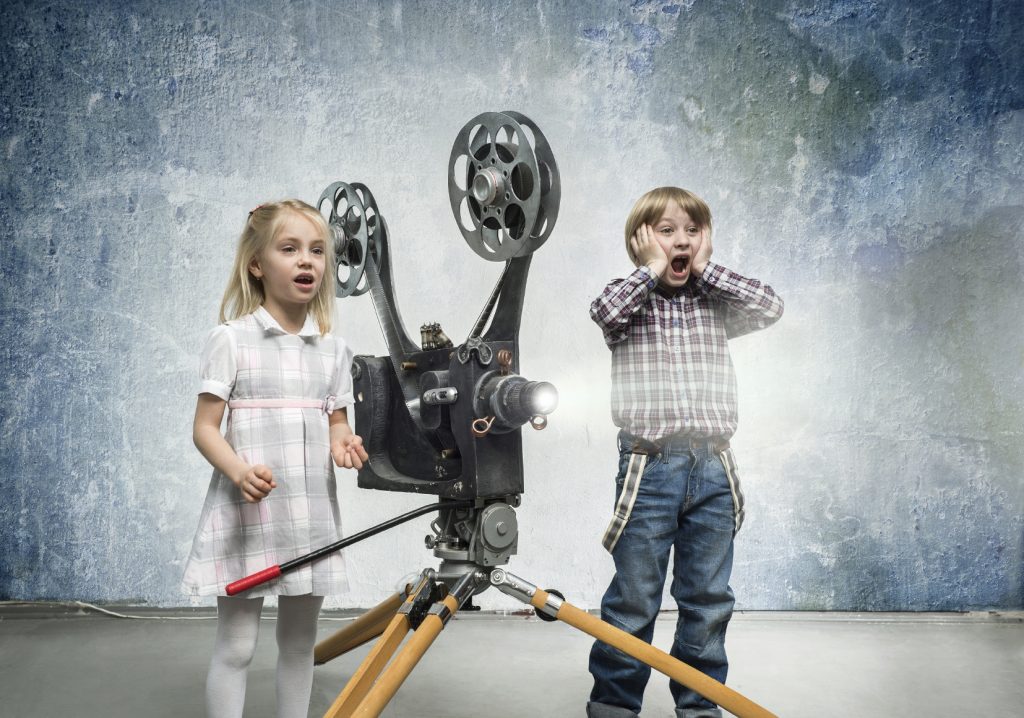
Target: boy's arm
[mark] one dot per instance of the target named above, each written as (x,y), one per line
(619,301)
(750,304)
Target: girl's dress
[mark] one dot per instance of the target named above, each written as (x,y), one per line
(253,361)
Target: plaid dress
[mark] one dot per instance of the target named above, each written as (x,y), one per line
(253,358)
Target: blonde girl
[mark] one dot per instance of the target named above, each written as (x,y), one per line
(286,383)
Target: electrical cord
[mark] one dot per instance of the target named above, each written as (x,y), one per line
(99,609)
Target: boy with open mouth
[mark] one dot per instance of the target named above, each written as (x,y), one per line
(674,400)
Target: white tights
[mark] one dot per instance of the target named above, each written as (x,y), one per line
(238,625)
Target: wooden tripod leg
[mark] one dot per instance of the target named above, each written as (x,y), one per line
(678,671)
(431,625)
(391,680)
(391,638)
(365,628)
(362,681)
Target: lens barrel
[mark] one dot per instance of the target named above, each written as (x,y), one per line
(515,400)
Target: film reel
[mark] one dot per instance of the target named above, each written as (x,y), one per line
(503,185)
(357,228)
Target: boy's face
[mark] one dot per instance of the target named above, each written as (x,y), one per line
(680,238)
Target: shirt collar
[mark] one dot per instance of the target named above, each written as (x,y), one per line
(690,289)
(270,325)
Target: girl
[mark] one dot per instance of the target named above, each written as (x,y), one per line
(287,381)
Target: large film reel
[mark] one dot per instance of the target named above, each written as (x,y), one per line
(357,228)
(503,185)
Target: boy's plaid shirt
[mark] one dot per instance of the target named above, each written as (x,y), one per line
(671,369)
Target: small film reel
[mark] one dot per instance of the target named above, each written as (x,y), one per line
(357,228)
(503,185)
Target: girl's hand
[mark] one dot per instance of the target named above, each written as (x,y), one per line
(648,251)
(348,451)
(255,482)
(702,253)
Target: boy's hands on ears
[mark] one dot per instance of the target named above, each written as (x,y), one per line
(648,251)
(702,252)
(348,451)
(255,482)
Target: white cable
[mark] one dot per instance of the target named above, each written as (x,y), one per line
(100,609)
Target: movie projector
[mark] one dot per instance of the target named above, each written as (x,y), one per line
(438,418)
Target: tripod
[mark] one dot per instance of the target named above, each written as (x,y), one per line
(426,606)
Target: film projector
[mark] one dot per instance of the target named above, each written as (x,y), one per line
(445,420)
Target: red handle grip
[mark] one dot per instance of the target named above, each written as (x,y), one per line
(244,584)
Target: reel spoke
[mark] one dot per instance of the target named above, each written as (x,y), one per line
(550,185)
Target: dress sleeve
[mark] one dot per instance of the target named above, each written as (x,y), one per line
(341,387)
(219,363)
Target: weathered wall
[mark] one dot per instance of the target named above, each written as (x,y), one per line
(863,157)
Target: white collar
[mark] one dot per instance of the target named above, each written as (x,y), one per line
(268,324)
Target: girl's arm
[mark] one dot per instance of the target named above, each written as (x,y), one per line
(255,482)
(346,447)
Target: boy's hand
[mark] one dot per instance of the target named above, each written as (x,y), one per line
(255,482)
(702,252)
(647,250)
(348,451)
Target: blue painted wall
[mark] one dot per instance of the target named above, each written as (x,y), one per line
(863,157)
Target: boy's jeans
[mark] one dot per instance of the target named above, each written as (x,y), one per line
(683,503)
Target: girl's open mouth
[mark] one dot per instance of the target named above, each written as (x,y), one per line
(306,279)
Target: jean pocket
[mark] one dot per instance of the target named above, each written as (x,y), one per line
(732,475)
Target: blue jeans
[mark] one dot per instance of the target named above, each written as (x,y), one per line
(683,503)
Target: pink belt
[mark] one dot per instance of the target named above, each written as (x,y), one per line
(326,405)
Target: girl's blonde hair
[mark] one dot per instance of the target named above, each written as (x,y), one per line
(649,209)
(244,293)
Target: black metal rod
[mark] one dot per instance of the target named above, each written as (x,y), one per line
(372,531)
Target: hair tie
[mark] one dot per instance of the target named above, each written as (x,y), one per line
(253,210)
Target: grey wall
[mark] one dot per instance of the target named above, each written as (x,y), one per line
(862,157)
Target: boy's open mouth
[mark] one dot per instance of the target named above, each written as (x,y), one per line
(679,264)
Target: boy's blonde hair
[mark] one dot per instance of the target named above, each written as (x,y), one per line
(244,293)
(649,209)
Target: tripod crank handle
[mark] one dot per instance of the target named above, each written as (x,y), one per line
(244,584)
(268,574)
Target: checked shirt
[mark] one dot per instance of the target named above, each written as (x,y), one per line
(671,369)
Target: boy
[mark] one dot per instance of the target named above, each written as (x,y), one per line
(674,401)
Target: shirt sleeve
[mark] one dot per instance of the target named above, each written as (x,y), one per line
(619,301)
(750,305)
(218,363)
(341,387)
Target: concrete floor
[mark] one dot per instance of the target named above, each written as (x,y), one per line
(796,665)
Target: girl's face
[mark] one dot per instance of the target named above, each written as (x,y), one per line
(292,266)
